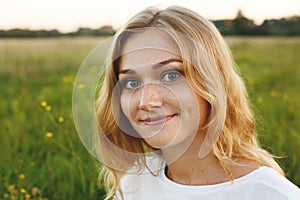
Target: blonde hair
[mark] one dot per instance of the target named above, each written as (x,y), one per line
(215,79)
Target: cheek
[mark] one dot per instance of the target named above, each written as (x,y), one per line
(187,98)
(190,108)
(194,108)
(128,104)
(124,104)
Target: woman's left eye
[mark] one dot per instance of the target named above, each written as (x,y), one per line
(171,76)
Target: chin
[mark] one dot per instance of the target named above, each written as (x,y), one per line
(161,143)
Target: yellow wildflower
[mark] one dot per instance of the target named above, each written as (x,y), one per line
(93,69)
(49,135)
(80,86)
(11,187)
(274,93)
(43,103)
(67,79)
(21,176)
(285,96)
(22,190)
(260,100)
(48,108)
(27,196)
(60,119)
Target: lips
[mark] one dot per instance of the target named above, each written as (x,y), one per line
(154,121)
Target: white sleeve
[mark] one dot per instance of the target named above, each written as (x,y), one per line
(130,186)
(279,186)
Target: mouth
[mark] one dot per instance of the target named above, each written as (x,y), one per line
(154,121)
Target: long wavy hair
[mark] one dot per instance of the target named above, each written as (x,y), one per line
(217,81)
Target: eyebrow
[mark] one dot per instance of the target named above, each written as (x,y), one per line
(155,66)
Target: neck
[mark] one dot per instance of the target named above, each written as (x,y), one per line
(189,169)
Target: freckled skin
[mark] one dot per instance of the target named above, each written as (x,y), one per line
(157,96)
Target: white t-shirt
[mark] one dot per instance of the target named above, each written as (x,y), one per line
(263,183)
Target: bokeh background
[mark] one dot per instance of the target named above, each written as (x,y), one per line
(42,45)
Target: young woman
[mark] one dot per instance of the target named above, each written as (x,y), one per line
(174,116)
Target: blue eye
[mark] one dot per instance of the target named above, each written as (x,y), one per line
(131,84)
(171,76)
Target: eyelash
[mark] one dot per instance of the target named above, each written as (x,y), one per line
(125,83)
(177,73)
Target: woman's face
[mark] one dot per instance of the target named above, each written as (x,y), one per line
(155,96)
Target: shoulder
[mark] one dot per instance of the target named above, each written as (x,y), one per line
(153,166)
(270,183)
(133,183)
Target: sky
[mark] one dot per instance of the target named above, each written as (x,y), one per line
(69,15)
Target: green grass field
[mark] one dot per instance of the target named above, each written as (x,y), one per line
(42,156)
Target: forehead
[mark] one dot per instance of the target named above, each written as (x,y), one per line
(148,47)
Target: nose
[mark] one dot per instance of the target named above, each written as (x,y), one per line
(150,97)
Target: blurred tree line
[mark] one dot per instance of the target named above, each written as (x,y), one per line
(241,25)
(25,33)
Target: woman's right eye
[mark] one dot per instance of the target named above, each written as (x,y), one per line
(131,84)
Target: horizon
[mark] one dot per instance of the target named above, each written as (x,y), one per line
(115,28)
(66,16)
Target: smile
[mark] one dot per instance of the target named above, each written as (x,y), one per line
(157,120)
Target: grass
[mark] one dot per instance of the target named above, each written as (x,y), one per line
(271,70)
(41,154)
(43,158)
